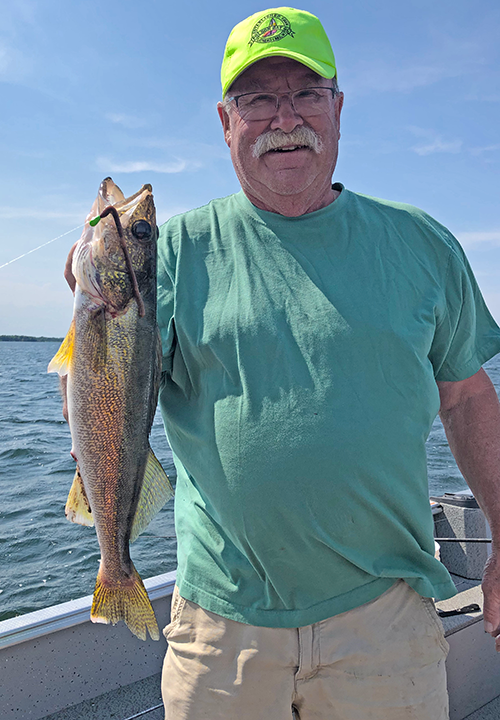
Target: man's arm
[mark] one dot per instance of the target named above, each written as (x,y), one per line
(470,413)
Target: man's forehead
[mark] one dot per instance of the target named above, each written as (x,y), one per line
(267,71)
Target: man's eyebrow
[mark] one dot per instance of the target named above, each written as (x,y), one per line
(250,85)
(313,76)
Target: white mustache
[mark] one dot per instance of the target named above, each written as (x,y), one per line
(274,139)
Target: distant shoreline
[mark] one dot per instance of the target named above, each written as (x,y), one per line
(28,338)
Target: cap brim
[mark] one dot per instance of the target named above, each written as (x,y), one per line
(322,69)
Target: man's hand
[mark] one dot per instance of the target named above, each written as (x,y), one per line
(470,413)
(68,272)
(63,387)
(70,279)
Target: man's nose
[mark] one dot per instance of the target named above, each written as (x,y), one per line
(286,118)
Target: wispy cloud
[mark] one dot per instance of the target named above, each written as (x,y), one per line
(177,165)
(484,97)
(163,213)
(379,67)
(15,294)
(16,57)
(485,149)
(489,238)
(10,212)
(131,122)
(14,65)
(438,145)
(433,142)
(191,149)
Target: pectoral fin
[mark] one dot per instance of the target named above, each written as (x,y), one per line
(77,505)
(156,490)
(96,340)
(62,359)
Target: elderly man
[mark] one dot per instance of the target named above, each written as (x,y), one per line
(310,336)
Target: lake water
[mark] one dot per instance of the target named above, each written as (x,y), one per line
(47,560)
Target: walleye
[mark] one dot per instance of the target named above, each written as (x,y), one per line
(112,359)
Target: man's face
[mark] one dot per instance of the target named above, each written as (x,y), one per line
(278,177)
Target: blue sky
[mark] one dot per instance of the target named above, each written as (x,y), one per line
(129,89)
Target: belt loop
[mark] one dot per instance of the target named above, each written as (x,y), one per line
(305,651)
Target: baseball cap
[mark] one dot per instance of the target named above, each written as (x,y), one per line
(284,31)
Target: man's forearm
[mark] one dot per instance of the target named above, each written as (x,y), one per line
(470,413)
(471,420)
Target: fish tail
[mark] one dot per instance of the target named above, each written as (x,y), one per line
(124,600)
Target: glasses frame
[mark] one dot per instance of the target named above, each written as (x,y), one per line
(278,97)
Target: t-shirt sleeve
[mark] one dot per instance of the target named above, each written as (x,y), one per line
(466,334)
(165,302)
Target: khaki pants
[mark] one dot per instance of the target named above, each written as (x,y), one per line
(384,660)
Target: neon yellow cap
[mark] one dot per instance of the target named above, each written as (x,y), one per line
(283,31)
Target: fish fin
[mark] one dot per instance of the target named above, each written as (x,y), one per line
(62,359)
(97,340)
(155,491)
(126,600)
(77,505)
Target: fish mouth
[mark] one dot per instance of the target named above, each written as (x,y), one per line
(111,242)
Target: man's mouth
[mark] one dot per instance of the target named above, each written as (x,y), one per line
(289,148)
(301,138)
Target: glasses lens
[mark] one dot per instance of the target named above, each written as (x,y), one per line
(257,106)
(263,106)
(311,101)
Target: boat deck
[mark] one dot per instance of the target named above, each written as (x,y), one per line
(56,665)
(142,699)
(132,701)
(491,711)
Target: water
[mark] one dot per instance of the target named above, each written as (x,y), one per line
(46,560)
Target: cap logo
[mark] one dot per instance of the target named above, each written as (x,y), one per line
(271,28)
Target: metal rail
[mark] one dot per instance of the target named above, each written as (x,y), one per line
(464,540)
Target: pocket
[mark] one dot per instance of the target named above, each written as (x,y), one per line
(434,618)
(176,608)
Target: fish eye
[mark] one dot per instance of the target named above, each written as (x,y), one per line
(141,229)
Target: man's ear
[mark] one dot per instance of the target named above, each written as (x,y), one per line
(224,118)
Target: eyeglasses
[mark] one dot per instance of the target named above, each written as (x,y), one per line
(307,102)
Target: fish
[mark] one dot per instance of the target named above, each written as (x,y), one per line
(110,362)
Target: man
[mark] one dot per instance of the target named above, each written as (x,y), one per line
(310,336)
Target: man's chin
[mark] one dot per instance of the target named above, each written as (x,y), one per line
(292,160)
(287,181)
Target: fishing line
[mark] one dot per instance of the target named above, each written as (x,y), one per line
(41,246)
(143,712)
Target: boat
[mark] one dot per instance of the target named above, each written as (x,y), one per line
(57,665)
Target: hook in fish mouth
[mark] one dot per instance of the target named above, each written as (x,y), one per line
(110,210)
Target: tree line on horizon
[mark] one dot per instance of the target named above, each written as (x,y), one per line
(28,338)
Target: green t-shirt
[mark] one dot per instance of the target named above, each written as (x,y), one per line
(300,358)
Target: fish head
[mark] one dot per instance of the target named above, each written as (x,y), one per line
(115,258)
